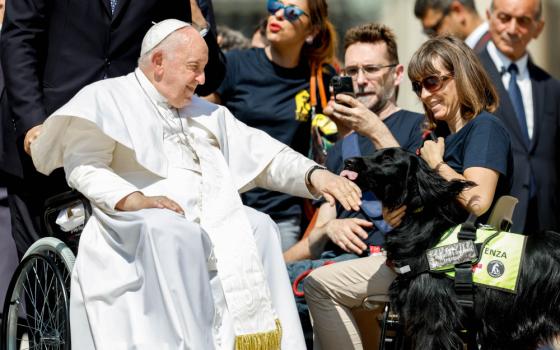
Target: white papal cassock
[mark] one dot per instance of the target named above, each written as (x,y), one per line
(154,279)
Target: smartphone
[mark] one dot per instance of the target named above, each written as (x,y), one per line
(342,85)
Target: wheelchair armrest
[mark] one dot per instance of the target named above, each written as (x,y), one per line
(62,201)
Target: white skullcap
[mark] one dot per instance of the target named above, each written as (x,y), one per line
(160,31)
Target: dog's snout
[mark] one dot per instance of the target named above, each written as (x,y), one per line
(354,164)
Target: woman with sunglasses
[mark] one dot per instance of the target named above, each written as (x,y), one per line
(471,144)
(458,97)
(269,89)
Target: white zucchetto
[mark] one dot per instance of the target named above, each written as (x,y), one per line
(158,32)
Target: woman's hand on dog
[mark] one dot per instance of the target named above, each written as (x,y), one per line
(394,217)
(348,234)
(333,187)
(432,152)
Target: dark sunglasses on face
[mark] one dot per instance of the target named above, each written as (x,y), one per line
(432,31)
(291,12)
(432,84)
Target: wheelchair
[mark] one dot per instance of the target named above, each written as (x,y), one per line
(36,308)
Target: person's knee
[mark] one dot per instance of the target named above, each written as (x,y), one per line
(264,228)
(170,224)
(315,286)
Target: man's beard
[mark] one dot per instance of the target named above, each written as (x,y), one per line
(381,101)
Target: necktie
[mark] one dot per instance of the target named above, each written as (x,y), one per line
(517,101)
(113,5)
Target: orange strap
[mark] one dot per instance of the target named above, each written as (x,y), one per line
(317,79)
(312,222)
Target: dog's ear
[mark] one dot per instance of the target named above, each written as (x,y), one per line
(433,188)
(393,171)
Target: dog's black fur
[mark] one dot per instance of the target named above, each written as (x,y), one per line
(427,303)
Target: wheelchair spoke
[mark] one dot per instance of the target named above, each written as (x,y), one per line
(45,319)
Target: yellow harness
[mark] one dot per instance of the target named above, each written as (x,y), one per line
(499,262)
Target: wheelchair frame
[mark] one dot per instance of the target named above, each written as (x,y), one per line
(36,308)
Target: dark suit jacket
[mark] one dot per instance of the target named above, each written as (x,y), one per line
(481,43)
(542,155)
(50,49)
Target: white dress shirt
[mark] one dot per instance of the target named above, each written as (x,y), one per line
(476,34)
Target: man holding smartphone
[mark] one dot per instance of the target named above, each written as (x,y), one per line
(371,120)
(375,122)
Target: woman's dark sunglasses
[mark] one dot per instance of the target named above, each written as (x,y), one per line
(291,12)
(432,83)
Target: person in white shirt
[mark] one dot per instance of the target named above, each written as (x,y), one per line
(171,259)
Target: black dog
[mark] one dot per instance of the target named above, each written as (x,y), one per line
(427,303)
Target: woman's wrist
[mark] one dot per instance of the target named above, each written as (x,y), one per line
(438,166)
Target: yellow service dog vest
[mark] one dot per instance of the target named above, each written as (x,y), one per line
(500,260)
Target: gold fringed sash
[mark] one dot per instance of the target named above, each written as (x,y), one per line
(260,341)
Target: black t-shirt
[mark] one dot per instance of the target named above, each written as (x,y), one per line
(406,127)
(276,100)
(482,142)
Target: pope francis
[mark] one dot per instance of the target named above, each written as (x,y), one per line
(171,259)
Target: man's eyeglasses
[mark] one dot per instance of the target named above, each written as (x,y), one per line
(433,83)
(433,30)
(291,12)
(368,70)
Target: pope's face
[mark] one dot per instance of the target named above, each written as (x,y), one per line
(183,69)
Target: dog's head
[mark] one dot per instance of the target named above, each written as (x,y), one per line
(398,177)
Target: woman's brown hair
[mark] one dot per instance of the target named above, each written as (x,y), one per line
(475,90)
(323,47)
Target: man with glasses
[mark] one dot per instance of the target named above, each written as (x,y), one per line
(530,109)
(371,120)
(455,17)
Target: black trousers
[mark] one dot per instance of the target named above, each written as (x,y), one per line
(26,199)
(532,224)
(8,255)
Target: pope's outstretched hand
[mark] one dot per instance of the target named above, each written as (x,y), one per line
(337,188)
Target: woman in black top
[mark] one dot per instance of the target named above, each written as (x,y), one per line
(458,98)
(472,144)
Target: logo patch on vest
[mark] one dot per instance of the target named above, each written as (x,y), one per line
(496,268)
(455,253)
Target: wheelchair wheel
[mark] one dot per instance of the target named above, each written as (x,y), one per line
(36,311)
(55,249)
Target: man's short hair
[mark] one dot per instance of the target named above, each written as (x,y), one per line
(373,33)
(421,7)
(538,14)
